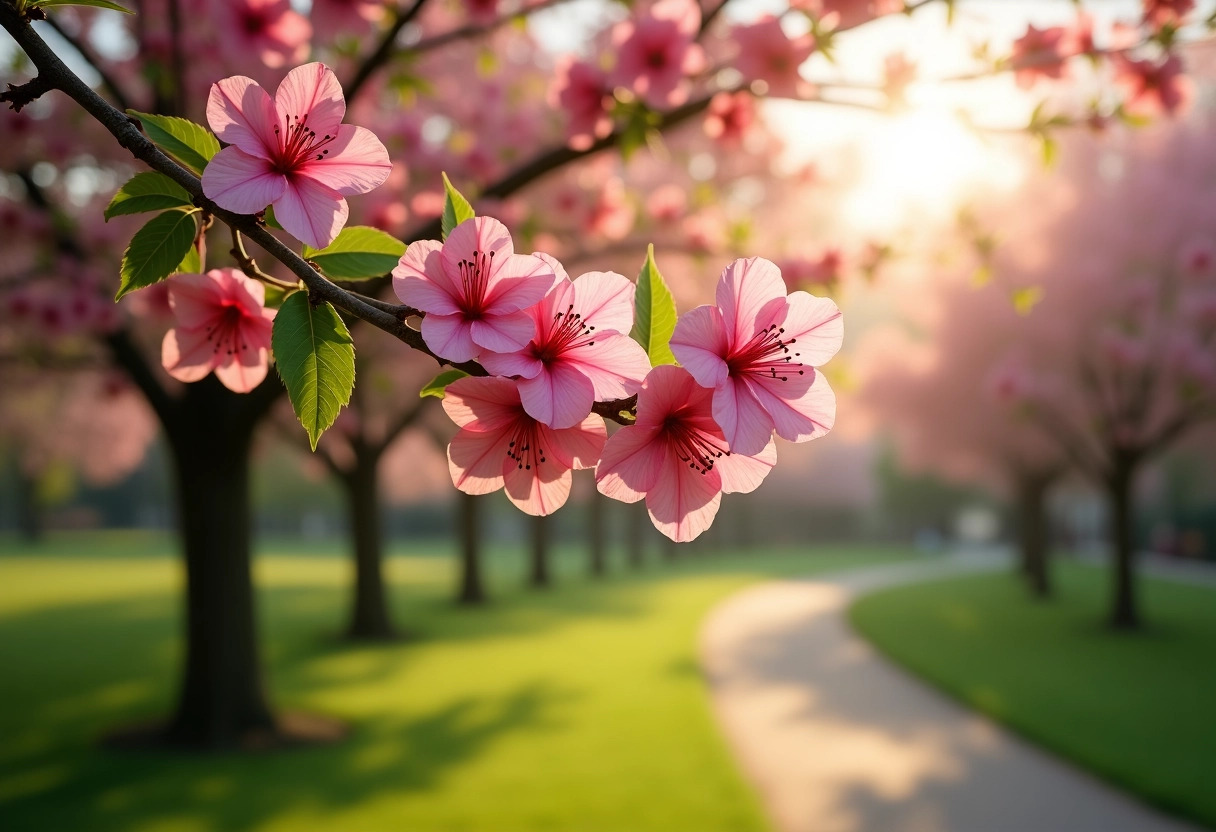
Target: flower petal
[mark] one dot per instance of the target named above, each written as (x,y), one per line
(310,211)
(630,463)
(742,474)
(540,490)
(580,446)
(242,372)
(699,343)
(196,299)
(522,363)
(605,300)
(751,295)
(503,333)
(311,92)
(242,114)
(802,419)
(450,337)
(683,501)
(475,460)
(420,281)
(355,164)
(817,326)
(518,282)
(480,234)
(667,388)
(242,183)
(186,354)
(615,364)
(493,403)
(559,396)
(745,422)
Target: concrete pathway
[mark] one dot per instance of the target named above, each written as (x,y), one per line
(836,739)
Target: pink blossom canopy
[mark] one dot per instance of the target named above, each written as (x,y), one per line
(474,289)
(580,350)
(292,152)
(500,446)
(758,349)
(675,457)
(222,325)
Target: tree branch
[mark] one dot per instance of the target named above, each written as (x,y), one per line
(382,53)
(120,97)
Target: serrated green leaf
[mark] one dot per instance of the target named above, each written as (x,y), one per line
(192,263)
(271,220)
(456,209)
(156,250)
(358,252)
(189,143)
(439,384)
(147,191)
(99,4)
(654,313)
(316,360)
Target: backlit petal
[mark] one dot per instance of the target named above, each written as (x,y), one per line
(355,164)
(241,113)
(559,396)
(538,491)
(242,373)
(186,354)
(683,502)
(480,234)
(310,211)
(807,417)
(615,364)
(742,474)
(517,282)
(475,461)
(580,446)
(605,300)
(817,326)
(242,183)
(699,343)
(751,295)
(746,424)
(631,462)
(503,333)
(492,402)
(311,91)
(420,281)
(450,337)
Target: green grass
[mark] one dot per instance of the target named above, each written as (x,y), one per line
(579,709)
(1140,710)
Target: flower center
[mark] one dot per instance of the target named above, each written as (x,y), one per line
(767,354)
(524,447)
(474,279)
(568,331)
(695,447)
(298,144)
(226,334)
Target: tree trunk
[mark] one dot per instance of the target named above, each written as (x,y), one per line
(635,544)
(471,589)
(595,535)
(370,618)
(1033,533)
(29,512)
(1125,614)
(539,565)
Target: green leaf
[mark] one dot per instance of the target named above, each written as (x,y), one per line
(456,209)
(192,263)
(358,252)
(439,384)
(271,220)
(316,360)
(99,4)
(148,191)
(157,250)
(654,313)
(189,143)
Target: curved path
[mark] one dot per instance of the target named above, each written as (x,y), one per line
(836,739)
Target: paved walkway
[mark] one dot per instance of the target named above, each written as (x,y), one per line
(836,739)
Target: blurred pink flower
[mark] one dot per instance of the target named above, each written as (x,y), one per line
(1159,13)
(499,445)
(1153,88)
(768,54)
(655,51)
(676,458)
(730,116)
(222,325)
(758,349)
(666,203)
(474,288)
(1040,53)
(292,152)
(583,91)
(611,215)
(581,350)
(332,17)
(481,11)
(268,29)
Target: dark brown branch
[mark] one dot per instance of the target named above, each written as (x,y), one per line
(18,96)
(472,30)
(383,52)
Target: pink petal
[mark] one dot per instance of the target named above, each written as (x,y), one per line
(667,388)
(356,163)
(311,91)
(683,501)
(242,114)
(449,336)
(630,464)
(310,211)
(502,333)
(751,295)
(245,290)
(491,402)
(475,461)
(745,422)
(186,354)
(517,282)
(195,299)
(742,474)
(242,183)
(817,325)
(522,363)
(807,417)
(616,365)
(559,396)
(580,446)
(420,281)
(480,234)
(605,300)
(538,491)
(241,373)
(699,343)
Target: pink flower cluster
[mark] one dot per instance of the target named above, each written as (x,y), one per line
(555,347)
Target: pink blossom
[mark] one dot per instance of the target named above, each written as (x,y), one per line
(1040,53)
(655,51)
(222,325)
(583,92)
(499,445)
(481,11)
(1197,259)
(847,14)
(676,458)
(580,351)
(758,349)
(1160,13)
(1153,88)
(474,289)
(268,29)
(898,73)
(730,117)
(611,214)
(667,203)
(293,152)
(332,17)
(768,54)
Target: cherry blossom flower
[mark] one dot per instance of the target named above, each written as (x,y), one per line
(222,325)
(758,349)
(729,117)
(768,54)
(1040,53)
(292,152)
(583,91)
(499,445)
(474,289)
(655,51)
(333,17)
(1153,88)
(1161,13)
(580,352)
(676,458)
(269,29)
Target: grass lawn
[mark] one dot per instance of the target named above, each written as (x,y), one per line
(1138,709)
(577,709)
